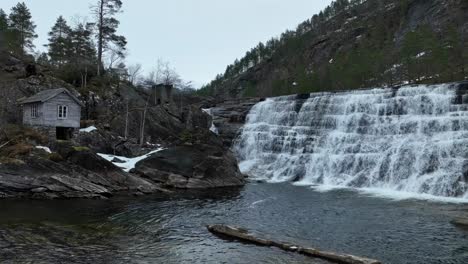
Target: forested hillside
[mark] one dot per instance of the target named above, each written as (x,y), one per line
(353,44)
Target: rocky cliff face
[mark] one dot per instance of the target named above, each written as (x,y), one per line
(73,170)
(229,117)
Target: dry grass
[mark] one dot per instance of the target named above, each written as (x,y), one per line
(17,134)
(20,149)
(17,141)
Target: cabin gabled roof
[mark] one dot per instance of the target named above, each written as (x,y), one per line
(46,95)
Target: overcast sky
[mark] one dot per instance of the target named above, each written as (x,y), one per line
(198,37)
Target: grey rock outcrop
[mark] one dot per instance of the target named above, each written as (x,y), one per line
(194,166)
(229,117)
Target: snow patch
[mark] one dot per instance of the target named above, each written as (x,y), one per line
(421,54)
(127,164)
(88,129)
(46,149)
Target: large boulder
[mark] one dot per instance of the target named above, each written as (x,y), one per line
(192,166)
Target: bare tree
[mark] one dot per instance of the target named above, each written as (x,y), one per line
(115,57)
(163,73)
(126,119)
(134,72)
(143,122)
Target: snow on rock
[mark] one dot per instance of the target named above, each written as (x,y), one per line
(420,54)
(88,129)
(46,149)
(127,164)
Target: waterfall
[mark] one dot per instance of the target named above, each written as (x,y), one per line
(411,139)
(213,127)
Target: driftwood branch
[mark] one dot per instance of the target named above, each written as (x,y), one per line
(244,235)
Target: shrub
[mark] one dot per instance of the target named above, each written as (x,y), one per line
(20,149)
(186,136)
(55,157)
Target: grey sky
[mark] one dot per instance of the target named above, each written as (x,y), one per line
(198,37)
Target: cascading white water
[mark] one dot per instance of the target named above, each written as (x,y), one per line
(411,139)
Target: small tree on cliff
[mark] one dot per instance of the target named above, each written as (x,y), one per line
(23,26)
(106,25)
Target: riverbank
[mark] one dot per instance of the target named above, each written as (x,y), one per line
(172,229)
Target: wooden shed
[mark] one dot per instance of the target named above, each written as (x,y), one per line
(57,111)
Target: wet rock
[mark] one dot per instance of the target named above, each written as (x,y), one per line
(195,166)
(229,117)
(116,160)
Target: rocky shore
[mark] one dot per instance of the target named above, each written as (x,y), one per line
(78,172)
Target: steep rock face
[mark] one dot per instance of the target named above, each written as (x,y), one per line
(229,117)
(194,166)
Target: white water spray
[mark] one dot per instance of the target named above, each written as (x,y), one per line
(411,139)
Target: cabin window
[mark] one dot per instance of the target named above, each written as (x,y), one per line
(34,110)
(62,112)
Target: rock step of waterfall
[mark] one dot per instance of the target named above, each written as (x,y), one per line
(411,139)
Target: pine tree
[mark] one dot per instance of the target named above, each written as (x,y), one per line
(3,29)
(23,27)
(59,42)
(107,24)
(83,52)
(3,21)
(43,59)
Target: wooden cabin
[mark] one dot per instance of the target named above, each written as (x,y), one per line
(56,111)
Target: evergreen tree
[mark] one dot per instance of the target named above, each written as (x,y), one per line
(83,52)
(43,59)
(107,24)
(3,29)
(3,21)
(23,26)
(60,42)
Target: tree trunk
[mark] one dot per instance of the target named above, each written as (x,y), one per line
(100,36)
(126,122)
(245,236)
(143,121)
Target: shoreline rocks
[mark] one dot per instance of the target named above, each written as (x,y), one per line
(82,175)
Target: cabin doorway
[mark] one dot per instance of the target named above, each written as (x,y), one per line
(64,133)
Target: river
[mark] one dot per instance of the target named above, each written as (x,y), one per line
(171,229)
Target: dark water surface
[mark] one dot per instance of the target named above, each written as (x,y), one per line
(172,230)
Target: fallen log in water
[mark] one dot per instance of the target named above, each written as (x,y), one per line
(461,222)
(244,235)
